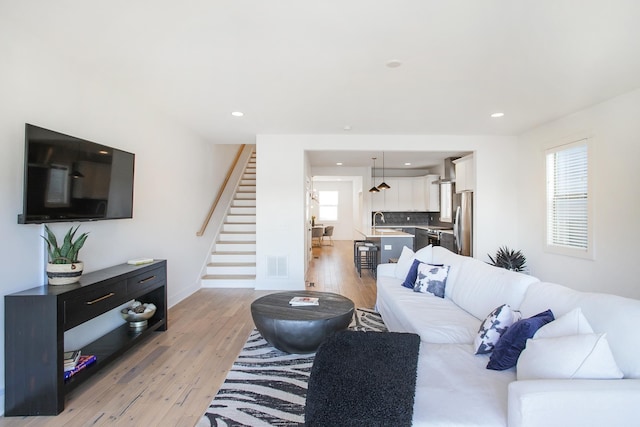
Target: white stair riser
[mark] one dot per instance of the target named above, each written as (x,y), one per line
(231,257)
(228,283)
(243,210)
(245,219)
(247,188)
(248,182)
(251,176)
(236,247)
(244,202)
(236,237)
(250,196)
(231,269)
(245,228)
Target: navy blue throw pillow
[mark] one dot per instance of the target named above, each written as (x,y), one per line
(410,280)
(512,342)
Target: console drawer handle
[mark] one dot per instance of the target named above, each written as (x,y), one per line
(109,295)
(147,279)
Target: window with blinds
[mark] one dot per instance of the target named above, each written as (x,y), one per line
(568,200)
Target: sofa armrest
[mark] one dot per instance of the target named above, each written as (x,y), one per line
(386,270)
(579,403)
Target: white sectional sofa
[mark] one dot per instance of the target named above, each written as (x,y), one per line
(454,387)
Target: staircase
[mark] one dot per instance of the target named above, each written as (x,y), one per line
(233,261)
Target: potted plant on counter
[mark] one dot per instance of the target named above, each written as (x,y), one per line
(63,267)
(508,259)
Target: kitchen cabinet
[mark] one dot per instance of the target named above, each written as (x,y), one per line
(465,174)
(406,201)
(447,240)
(431,193)
(408,194)
(412,231)
(421,239)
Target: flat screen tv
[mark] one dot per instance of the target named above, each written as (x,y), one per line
(70,179)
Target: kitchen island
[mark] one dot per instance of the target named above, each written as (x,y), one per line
(389,241)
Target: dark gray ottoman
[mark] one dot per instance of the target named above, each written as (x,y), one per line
(363,379)
(300,329)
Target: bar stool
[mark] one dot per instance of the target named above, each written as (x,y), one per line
(367,258)
(357,243)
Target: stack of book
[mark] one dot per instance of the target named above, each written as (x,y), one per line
(302,301)
(74,362)
(71,359)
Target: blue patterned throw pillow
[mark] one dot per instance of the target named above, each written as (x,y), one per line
(410,280)
(511,343)
(431,279)
(493,327)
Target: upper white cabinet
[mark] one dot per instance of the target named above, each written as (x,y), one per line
(431,193)
(405,194)
(465,174)
(408,194)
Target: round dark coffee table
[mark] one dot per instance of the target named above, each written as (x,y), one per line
(300,329)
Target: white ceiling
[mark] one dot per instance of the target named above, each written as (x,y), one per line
(314,67)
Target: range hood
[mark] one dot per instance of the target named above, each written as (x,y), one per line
(449,171)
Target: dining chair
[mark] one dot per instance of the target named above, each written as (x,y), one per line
(328,232)
(316,233)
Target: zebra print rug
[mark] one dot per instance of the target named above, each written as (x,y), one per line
(268,387)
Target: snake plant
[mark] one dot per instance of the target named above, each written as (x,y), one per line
(68,252)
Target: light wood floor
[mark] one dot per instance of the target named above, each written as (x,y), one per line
(170,379)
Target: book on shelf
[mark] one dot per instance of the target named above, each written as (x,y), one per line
(71,359)
(298,301)
(83,362)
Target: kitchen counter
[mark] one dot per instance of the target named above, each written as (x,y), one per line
(389,241)
(378,232)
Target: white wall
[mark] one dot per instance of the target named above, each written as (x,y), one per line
(281,179)
(614,129)
(176,174)
(344,225)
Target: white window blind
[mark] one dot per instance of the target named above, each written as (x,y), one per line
(328,205)
(568,222)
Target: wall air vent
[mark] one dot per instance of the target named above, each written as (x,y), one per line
(277,266)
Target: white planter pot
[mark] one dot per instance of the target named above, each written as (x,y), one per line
(64,274)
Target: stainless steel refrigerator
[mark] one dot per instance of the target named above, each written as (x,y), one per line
(463,222)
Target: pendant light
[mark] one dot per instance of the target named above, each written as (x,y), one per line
(383,185)
(374,189)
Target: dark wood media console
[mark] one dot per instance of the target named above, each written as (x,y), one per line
(36,319)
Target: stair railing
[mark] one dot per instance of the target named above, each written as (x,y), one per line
(220,191)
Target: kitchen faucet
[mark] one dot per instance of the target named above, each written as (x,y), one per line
(374,218)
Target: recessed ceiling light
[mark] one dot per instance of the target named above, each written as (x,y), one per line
(496,115)
(346,127)
(103,152)
(394,63)
(237,114)
(407,164)
(339,164)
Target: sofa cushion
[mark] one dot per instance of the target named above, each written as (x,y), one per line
(407,256)
(584,356)
(478,287)
(435,319)
(571,323)
(511,343)
(431,279)
(454,389)
(619,317)
(492,328)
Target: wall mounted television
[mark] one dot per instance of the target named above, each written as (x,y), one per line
(70,179)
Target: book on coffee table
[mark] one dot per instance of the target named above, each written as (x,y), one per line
(298,301)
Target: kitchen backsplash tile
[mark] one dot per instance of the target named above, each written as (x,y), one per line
(408,218)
